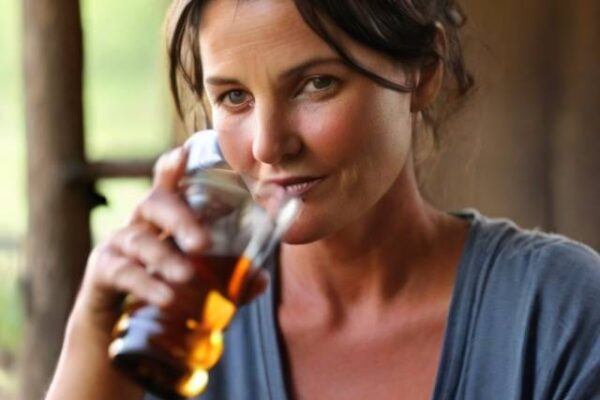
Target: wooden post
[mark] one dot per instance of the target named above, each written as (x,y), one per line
(58,238)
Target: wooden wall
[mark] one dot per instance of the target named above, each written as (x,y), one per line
(527,144)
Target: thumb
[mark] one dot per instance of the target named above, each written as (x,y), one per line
(169,169)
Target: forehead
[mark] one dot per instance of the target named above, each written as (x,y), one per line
(239,31)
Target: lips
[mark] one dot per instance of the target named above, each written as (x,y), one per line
(297,186)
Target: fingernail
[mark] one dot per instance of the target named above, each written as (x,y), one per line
(172,158)
(180,273)
(162,294)
(192,241)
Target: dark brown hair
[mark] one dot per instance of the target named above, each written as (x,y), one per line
(403,30)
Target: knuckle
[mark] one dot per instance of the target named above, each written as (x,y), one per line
(134,215)
(159,255)
(137,213)
(163,252)
(161,201)
(173,257)
(148,200)
(100,255)
(131,241)
(121,274)
(152,200)
(183,221)
(156,195)
(175,261)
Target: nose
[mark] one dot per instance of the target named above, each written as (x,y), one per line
(274,137)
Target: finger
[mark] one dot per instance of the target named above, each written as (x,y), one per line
(168,212)
(140,242)
(170,168)
(124,275)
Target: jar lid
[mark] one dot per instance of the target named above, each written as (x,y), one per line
(204,152)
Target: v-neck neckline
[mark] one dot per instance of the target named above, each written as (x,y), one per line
(272,348)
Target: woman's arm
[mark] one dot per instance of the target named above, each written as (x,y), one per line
(84,370)
(122,265)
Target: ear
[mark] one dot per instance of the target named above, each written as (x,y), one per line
(429,77)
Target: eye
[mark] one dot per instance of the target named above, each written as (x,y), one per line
(235,97)
(318,87)
(320,83)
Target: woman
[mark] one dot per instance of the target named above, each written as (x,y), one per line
(374,294)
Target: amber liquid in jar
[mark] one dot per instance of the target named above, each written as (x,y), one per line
(170,352)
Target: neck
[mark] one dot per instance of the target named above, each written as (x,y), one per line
(392,253)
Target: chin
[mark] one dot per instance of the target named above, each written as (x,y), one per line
(298,236)
(305,231)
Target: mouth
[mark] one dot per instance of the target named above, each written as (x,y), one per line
(297,186)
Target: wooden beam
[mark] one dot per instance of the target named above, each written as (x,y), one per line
(58,238)
(109,169)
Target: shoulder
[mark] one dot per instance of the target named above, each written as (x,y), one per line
(531,258)
(542,282)
(530,301)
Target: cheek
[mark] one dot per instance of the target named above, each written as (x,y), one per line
(333,131)
(235,141)
(356,128)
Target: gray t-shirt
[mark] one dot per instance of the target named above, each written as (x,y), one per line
(524,323)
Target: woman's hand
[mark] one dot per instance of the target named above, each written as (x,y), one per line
(151,257)
(137,259)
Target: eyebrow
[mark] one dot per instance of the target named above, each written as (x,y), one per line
(299,69)
(291,72)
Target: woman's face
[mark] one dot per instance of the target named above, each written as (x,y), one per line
(288,110)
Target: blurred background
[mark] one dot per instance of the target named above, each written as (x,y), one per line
(128,115)
(526,145)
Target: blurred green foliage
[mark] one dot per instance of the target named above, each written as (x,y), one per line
(128,114)
(128,110)
(12,124)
